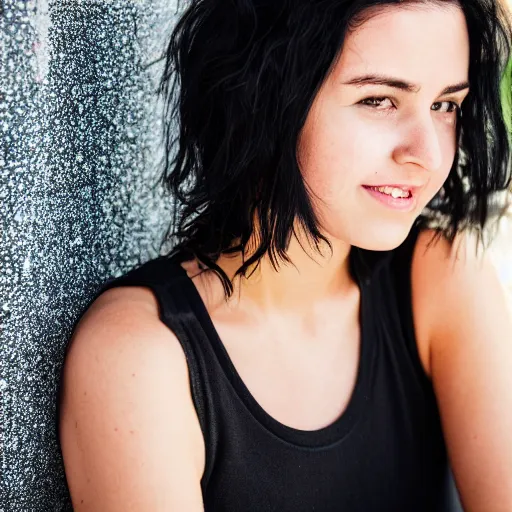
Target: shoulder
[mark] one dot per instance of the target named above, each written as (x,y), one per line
(444,277)
(127,317)
(125,382)
(445,270)
(462,308)
(120,339)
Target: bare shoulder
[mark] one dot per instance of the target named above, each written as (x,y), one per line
(440,272)
(123,324)
(462,308)
(441,267)
(129,433)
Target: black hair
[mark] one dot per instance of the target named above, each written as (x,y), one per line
(240,78)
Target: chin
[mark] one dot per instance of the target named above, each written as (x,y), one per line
(379,237)
(386,238)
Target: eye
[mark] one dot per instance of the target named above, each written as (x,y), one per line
(452,106)
(374,102)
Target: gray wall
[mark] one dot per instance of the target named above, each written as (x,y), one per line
(80,147)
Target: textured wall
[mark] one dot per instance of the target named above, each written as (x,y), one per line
(80,140)
(80,147)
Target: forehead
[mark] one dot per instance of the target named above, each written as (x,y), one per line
(426,45)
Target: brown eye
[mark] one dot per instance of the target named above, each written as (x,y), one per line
(374,101)
(452,107)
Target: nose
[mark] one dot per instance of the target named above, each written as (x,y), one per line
(420,144)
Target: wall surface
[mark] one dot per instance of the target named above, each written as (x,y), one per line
(80,145)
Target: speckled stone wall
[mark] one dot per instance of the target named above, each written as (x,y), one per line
(80,147)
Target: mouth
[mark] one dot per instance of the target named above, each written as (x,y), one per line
(397,197)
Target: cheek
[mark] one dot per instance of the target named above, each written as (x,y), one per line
(333,157)
(339,151)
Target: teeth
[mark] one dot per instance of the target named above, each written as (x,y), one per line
(393,191)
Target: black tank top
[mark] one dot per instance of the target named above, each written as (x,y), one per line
(386,451)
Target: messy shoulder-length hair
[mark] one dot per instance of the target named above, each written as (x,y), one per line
(239,80)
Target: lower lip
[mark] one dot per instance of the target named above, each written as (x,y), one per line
(404,204)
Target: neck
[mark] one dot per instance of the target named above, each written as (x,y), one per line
(310,278)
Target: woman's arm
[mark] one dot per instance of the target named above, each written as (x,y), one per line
(130,437)
(470,340)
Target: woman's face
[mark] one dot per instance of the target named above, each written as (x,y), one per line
(402,137)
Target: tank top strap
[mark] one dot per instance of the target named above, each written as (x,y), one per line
(397,276)
(401,280)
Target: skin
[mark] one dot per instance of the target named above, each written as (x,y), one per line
(129,433)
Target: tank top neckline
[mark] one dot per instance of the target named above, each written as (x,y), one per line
(359,399)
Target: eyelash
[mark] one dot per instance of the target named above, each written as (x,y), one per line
(381,98)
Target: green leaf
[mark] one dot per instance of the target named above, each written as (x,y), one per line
(506,95)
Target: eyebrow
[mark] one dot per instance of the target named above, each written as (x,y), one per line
(397,83)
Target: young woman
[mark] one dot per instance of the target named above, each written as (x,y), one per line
(310,343)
